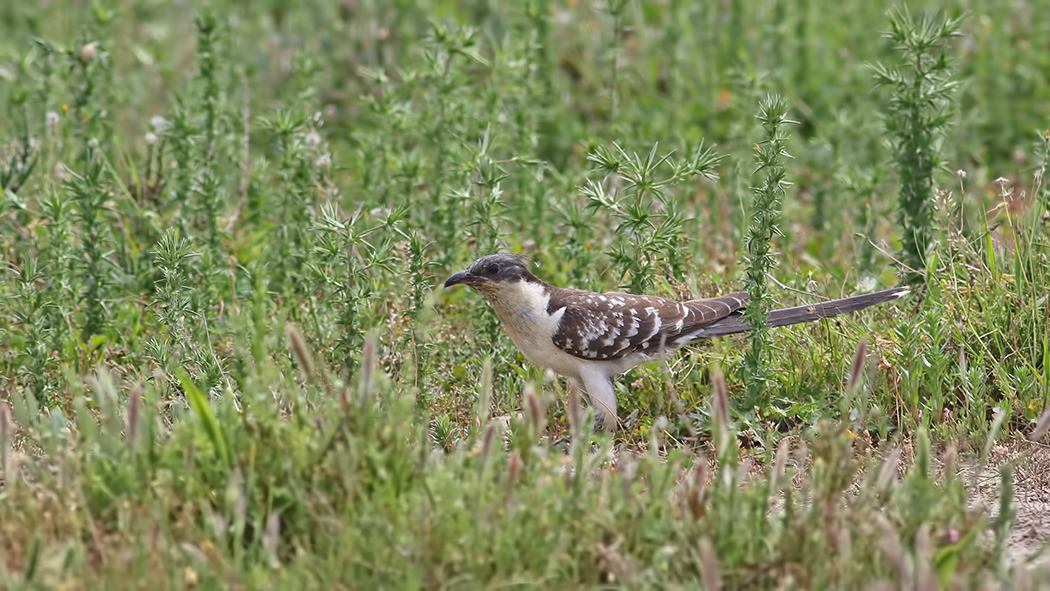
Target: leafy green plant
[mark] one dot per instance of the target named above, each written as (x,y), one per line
(765,218)
(17,161)
(89,198)
(649,238)
(916,115)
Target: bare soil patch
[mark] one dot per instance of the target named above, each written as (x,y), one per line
(1031,481)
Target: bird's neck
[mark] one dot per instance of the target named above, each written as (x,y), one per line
(518,301)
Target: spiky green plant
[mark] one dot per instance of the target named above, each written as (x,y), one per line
(918,111)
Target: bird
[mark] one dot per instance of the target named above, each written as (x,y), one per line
(591,338)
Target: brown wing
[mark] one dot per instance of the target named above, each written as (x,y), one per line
(612,325)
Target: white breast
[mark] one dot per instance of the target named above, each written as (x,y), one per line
(522,308)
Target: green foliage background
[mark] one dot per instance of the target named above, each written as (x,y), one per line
(224,225)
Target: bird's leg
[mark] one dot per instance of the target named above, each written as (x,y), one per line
(577,416)
(601,396)
(576,413)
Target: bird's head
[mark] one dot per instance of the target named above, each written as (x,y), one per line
(493,272)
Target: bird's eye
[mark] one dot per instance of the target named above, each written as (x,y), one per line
(492,269)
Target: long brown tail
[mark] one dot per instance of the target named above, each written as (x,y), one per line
(734,323)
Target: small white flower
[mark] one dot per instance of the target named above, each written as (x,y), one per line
(563,17)
(960,173)
(151,138)
(324,160)
(52,119)
(312,139)
(159,124)
(1004,190)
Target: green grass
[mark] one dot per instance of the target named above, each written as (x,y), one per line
(226,360)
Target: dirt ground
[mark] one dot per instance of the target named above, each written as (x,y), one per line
(1031,479)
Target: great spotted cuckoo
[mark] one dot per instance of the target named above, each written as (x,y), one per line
(593,337)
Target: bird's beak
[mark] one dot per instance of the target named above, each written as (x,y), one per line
(461,277)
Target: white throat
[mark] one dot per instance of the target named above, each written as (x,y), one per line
(522,308)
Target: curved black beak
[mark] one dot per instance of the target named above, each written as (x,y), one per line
(461,277)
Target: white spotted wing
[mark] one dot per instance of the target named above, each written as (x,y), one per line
(613,325)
